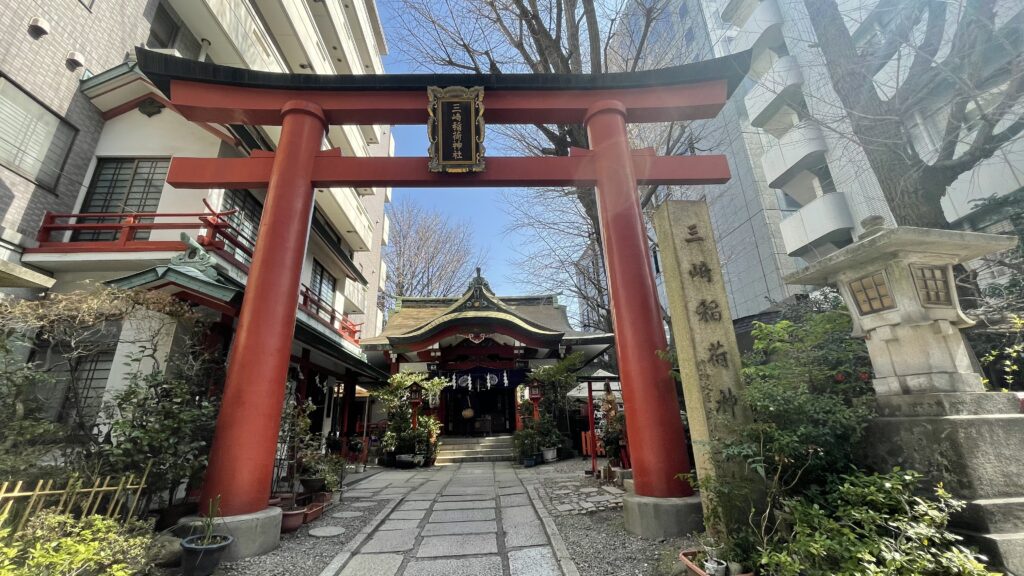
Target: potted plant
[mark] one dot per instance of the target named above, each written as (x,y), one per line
(292,518)
(550,439)
(527,444)
(201,553)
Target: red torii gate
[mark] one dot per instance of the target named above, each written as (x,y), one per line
(242,456)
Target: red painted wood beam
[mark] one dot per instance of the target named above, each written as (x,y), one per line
(576,170)
(220,103)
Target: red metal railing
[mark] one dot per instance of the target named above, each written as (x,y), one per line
(310,303)
(125,229)
(217,233)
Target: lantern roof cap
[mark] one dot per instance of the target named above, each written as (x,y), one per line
(928,245)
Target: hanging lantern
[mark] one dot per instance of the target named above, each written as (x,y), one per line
(535,394)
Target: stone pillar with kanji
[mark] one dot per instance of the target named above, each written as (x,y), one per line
(934,415)
(705,343)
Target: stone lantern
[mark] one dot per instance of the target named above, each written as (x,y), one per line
(934,415)
(898,284)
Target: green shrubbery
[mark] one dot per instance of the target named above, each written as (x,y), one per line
(808,391)
(60,544)
(868,524)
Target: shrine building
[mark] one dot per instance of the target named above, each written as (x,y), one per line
(485,345)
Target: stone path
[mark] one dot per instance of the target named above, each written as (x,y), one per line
(469,519)
(578,495)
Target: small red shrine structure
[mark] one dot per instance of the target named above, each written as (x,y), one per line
(484,345)
(242,456)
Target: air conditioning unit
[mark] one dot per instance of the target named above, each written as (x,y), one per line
(38,27)
(75,60)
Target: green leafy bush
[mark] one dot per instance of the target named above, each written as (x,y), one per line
(526,443)
(60,544)
(866,525)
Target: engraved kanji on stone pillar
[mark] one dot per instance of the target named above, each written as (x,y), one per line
(709,358)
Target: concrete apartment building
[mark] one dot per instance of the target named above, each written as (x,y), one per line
(800,184)
(85,139)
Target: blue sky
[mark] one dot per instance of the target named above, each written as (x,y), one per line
(478,208)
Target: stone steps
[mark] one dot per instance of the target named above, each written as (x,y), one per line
(458,450)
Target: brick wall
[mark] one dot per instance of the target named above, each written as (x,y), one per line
(103,34)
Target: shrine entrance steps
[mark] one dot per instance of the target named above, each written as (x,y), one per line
(458,450)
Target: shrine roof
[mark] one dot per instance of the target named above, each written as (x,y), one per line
(161,68)
(537,316)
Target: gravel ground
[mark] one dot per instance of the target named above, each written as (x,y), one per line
(600,546)
(572,466)
(301,554)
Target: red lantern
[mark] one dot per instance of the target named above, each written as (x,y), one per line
(415,392)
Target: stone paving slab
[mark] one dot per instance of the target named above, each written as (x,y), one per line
(326,531)
(373,565)
(457,545)
(468,490)
(415,505)
(533,562)
(391,541)
(482,566)
(421,496)
(444,528)
(518,514)
(399,524)
(525,534)
(515,500)
(408,515)
(464,505)
(464,497)
(511,490)
(461,515)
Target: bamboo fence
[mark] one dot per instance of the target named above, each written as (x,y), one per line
(115,497)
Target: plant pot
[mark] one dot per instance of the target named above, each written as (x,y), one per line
(313,511)
(689,560)
(538,458)
(550,454)
(405,461)
(287,499)
(418,459)
(322,497)
(201,560)
(529,462)
(291,519)
(313,484)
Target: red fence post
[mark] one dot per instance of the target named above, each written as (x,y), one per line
(244,445)
(655,433)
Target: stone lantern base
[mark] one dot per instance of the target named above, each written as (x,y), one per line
(971,442)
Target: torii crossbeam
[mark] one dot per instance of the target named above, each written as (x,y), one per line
(305,106)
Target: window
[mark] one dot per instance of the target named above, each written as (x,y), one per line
(324,287)
(872,294)
(122,186)
(932,285)
(163,29)
(88,380)
(33,141)
(246,220)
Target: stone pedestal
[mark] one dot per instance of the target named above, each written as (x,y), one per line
(255,534)
(971,443)
(662,517)
(933,415)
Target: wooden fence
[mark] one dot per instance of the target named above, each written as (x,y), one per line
(110,496)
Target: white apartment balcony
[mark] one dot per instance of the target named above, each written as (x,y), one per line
(237,37)
(818,228)
(779,86)
(386,236)
(736,12)
(801,148)
(355,297)
(343,208)
(762,29)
